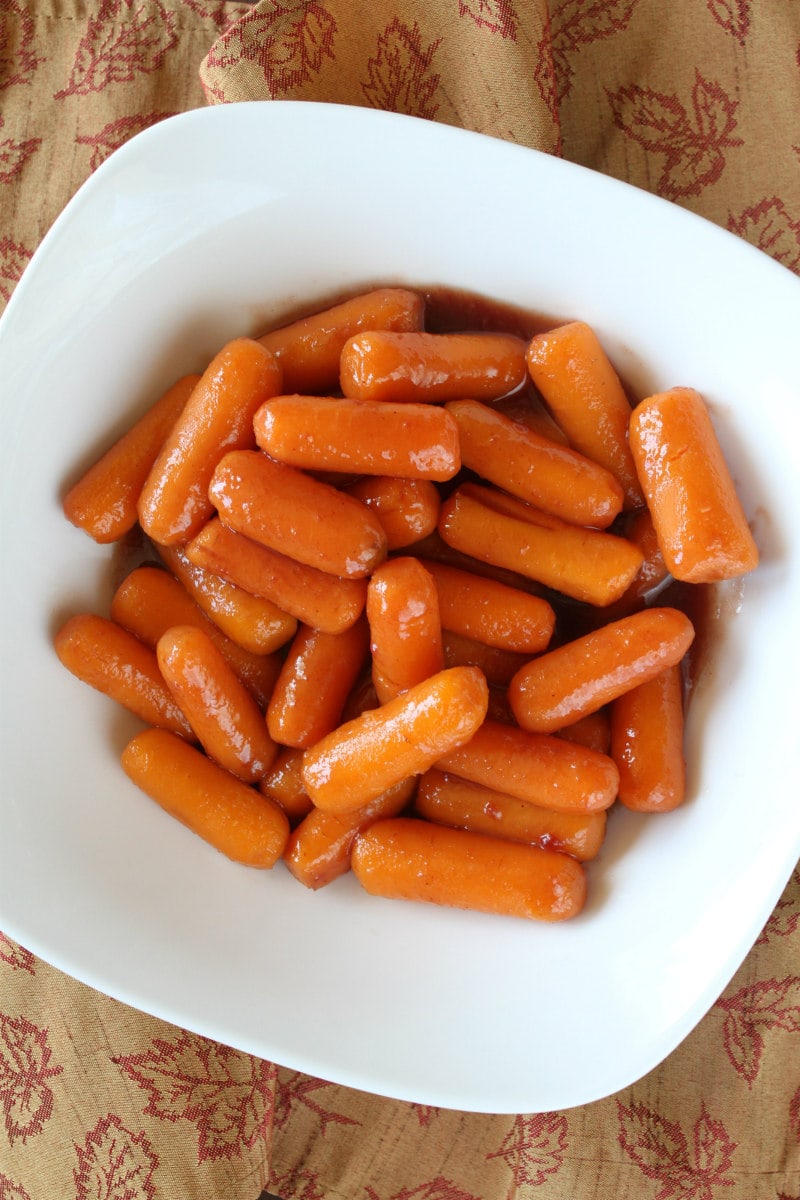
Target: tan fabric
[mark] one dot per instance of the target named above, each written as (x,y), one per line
(698,100)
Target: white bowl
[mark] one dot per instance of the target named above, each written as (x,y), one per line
(214,223)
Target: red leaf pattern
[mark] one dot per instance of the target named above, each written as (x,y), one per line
(750,1012)
(547,81)
(16,956)
(733,16)
(293,1088)
(769,226)
(534,1148)
(228,1095)
(18,61)
(10,1190)
(794,1115)
(124,38)
(300,1185)
(13,261)
(399,76)
(114,1164)
(425,1113)
(25,1097)
(221,12)
(13,156)
(497,16)
(289,39)
(660,1150)
(115,133)
(435,1189)
(576,23)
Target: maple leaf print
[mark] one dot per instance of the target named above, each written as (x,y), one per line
(17,58)
(660,1150)
(733,16)
(691,143)
(221,12)
(227,1094)
(770,1004)
(289,39)
(498,16)
(294,1088)
(400,78)
(125,38)
(425,1113)
(25,1097)
(115,133)
(16,956)
(10,1190)
(114,1163)
(769,227)
(300,1185)
(434,1189)
(544,76)
(534,1147)
(13,260)
(576,23)
(13,156)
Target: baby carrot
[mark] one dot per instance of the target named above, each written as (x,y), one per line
(404,367)
(593,731)
(315,681)
(104,500)
(310,596)
(404,627)
(174,502)
(586,398)
(491,612)
(283,783)
(297,515)
(449,800)
(114,662)
(699,520)
(218,807)
(407,509)
(224,716)
(647,743)
(403,858)
(308,350)
(362,758)
(552,477)
(565,684)
(498,665)
(542,770)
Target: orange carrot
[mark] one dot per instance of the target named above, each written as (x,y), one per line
(647,744)
(552,477)
(491,612)
(314,683)
(174,502)
(405,367)
(498,665)
(214,804)
(578,678)
(104,500)
(404,626)
(299,516)
(701,526)
(449,800)
(364,757)
(283,783)
(114,662)
(224,716)
(593,731)
(586,398)
(408,509)
(403,858)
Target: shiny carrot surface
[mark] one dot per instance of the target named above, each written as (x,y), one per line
(408,509)
(647,744)
(404,626)
(491,612)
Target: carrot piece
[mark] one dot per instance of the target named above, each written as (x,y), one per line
(578,678)
(403,858)
(552,477)
(312,597)
(114,662)
(283,783)
(407,509)
(491,612)
(224,716)
(403,367)
(498,665)
(254,623)
(362,758)
(647,743)
(150,600)
(542,770)
(449,800)
(585,396)
(699,520)
(232,817)
(315,681)
(593,730)
(404,627)
(289,511)
(309,349)
(104,500)
(586,564)
(318,850)
(174,502)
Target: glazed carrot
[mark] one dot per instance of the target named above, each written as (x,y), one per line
(491,612)
(403,858)
(362,758)
(224,716)
(585,396)
(552,477)
(114,662)
(578,678)
(104,500)
(586,564)
(318,850)
(647,744)
(498,665)
(283,783)
(701,526)
(429,367)
(542,770)
(593,731)
(254,623)
(653,571)
(404,627)
(407,509)
(315,681)
(310,596)
(297,515)
(174,502)
(449,800)
(150,600)
(309,349)
(218,807)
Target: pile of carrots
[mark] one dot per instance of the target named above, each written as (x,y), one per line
(404,606)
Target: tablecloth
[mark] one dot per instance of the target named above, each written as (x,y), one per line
(697,100)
